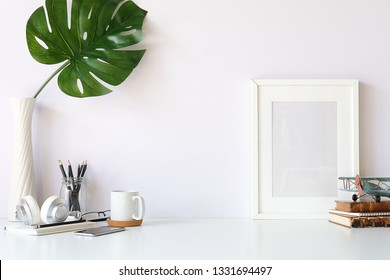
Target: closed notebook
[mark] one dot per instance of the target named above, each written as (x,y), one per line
(356,221)
(33,230)
(358,214)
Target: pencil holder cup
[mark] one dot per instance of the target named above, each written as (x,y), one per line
(74,191)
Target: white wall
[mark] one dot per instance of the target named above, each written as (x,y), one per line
(179,128)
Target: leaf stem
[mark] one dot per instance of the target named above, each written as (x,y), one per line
(51,77)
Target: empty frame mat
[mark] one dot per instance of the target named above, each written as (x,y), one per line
(305,136)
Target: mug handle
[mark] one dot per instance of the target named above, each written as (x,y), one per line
(141,206)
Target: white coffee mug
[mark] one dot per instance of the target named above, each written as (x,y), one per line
(126,206)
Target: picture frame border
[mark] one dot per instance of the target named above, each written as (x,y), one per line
(349,148)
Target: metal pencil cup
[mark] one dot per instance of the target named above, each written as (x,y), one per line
(74,191)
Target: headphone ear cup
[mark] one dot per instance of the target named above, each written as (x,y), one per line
(28,211)
(54,210)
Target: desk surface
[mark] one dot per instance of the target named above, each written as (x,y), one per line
(221,239)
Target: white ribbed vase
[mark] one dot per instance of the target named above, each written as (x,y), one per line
(22,181)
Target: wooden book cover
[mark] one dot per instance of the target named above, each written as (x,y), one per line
(363,206)
(359,222)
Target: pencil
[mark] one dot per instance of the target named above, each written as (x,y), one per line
(70,171)
(83,168)
(62,169)
(78,171)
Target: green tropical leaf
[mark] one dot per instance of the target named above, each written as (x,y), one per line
(90,43)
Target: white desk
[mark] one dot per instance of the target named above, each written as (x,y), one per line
(222,239)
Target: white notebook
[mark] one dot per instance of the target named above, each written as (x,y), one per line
(359,214)
(34,230)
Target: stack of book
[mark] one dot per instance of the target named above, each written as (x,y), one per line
(361,214)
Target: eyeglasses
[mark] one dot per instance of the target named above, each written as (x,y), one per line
(95,216)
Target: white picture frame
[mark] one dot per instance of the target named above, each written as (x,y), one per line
(305,134)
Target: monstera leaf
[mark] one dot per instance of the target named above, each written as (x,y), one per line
(92,42)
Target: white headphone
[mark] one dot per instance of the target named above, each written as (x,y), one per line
(54,210)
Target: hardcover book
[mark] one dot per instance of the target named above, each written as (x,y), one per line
(363,206)
(353,221)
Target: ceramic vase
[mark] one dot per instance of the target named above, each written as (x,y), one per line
(22,180)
